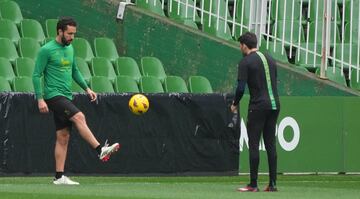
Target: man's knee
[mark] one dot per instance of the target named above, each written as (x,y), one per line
(63,136)
(78,118)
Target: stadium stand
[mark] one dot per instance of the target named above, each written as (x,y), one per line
(101,84)
(84,69)
(175,84)
(24,66)
(4,85)
(76,88)
(127,66)
(105,47)
(8,50)
(150,84)
(6,70)
(9,30)
(32,28)
(102,67)
(152,66)
(50,27)
(11,10)
(82,49)
(154,6)
(23,84)
(28,47)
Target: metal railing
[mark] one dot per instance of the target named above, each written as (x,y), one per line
(326,30)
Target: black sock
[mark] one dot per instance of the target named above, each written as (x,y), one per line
(58,175)
(98,149)
(253,183)
(272,183)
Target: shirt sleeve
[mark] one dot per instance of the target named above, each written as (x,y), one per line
(77,76)
(40,64)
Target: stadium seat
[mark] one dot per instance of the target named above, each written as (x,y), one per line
(189,23)
(284,10)
(102,67)
(9,30)
(242,16)
(354,83)
(28,47)
(154,6)
(76,88)
(284,31)
(32,28)
(82,49)
(50,25)
(127,66)
(306,59)
(23,84)
(11,10)
(352,33)
(84,69)
(218,27)
(6,70)
(275,50)
(343,54)
(317,26)
(152,66)
(175,84)
(101,84)
(125,84)
(199,84)
(105,47)
(180,11)
(317,10)
(150,84)
(8,50)
(334,76)
(24,66)
(4,85)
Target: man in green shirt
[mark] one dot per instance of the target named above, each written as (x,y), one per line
(56,64)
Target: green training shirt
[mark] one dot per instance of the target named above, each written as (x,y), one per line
(56,63)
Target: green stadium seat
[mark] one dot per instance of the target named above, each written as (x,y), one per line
(275,50)
(4,85)
(199,84)
(50,26)
(352,33)
(28,47)
(152,66)
(9,30)
(11,10)
(345,55)
(334,76)
(127,66)
(23,84)
(126,84)
(354,83)
(102,67)
(284,31)
(105,47)
(242,16)
(218,27)
(24,66)
(189,23)
(32,28)
(8,50)
(150,84)
(6,70)
(154,6)
(82,49)
(84,69)
(179,11)
(75,88)
(318,38)
(305,59)
(101,84)
(317,10)
(175,84)
(284,10)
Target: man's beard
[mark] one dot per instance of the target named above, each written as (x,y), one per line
(64,41)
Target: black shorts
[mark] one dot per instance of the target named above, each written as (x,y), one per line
(63,110)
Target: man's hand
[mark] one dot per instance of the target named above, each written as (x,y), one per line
(234,108)
(92,95)
(43,108)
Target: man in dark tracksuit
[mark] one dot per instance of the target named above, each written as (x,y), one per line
(259,73)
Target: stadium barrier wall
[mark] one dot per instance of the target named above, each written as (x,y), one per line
(314,134)
(180,134)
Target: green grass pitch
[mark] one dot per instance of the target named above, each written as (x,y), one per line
(309,186)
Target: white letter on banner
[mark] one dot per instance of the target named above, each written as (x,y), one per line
(291,122)
(244,139)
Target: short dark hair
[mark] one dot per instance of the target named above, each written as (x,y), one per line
(64,22)
(249,39)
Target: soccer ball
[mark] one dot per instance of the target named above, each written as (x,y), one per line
(138,104)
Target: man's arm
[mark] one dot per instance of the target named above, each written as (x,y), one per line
(40,64)
(79,79)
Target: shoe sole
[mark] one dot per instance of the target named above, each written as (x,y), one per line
(107,157)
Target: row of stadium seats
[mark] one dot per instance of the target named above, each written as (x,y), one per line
(121,84)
